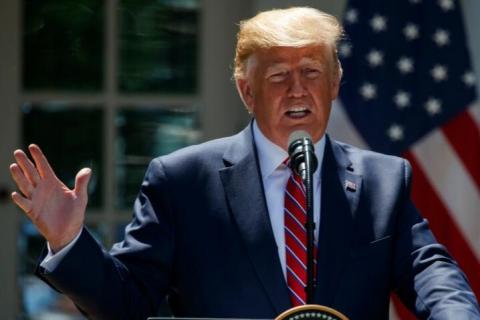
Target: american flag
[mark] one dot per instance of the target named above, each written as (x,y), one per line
(409,90)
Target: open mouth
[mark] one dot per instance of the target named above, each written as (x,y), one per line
(297,112)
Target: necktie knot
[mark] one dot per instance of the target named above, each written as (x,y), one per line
(294,174)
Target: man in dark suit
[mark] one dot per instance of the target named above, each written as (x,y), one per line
(208,227)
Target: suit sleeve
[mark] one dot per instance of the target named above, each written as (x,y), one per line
(131,280)
(426,277)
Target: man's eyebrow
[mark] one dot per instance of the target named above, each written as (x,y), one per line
(310,61)
(303,62)
(275,65)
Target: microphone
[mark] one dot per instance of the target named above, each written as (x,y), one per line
(301,152)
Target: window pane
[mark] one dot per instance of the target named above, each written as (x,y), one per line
(158,46)
(63,44)
(71,138)
(143,135)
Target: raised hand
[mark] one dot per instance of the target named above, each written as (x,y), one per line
(57,211)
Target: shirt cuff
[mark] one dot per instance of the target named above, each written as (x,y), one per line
(52,260)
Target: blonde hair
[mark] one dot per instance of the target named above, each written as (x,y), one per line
(293,27)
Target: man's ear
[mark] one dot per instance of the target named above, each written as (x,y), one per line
(245,92)
(337,78)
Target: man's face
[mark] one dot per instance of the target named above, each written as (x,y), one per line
(290,89)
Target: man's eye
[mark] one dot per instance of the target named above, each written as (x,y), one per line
(312,73)
(278,77)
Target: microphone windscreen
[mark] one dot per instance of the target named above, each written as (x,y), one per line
(297,135)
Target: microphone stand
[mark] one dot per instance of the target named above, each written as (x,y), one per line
(307,178)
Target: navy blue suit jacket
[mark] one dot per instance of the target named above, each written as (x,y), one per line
(201,235)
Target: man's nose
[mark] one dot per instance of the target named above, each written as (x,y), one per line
(297,87)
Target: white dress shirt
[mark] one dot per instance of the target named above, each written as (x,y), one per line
(51,261)
(275,175)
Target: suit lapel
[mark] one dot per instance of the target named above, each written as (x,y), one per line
(341,189)
(245,195)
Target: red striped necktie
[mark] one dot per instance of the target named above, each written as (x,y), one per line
(296,239)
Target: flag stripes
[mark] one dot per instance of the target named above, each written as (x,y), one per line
(452,182)
(463,135)
(443,223)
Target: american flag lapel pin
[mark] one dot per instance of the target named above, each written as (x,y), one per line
(350,186)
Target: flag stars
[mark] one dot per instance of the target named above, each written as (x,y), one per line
(469,79)
(402,99)
(439,73)
(411,31)
(446,5)
(368,91)
(433,106)
(378,23)
(351,16)
(441,37)
(405,65)
(395,132)
(375,58)
(345,50)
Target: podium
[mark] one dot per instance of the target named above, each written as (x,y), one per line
(305,312)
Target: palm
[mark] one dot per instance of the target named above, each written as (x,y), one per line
(57,207)
(57,211)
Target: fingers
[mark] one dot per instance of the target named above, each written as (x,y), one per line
(41,161)
(22,202)
(81,181)
(27,167)
(21,180)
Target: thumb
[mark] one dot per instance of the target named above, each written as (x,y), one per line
(81,181)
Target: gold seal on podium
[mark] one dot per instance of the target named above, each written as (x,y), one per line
(311,312)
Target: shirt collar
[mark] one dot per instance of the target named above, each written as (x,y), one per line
(271,156)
